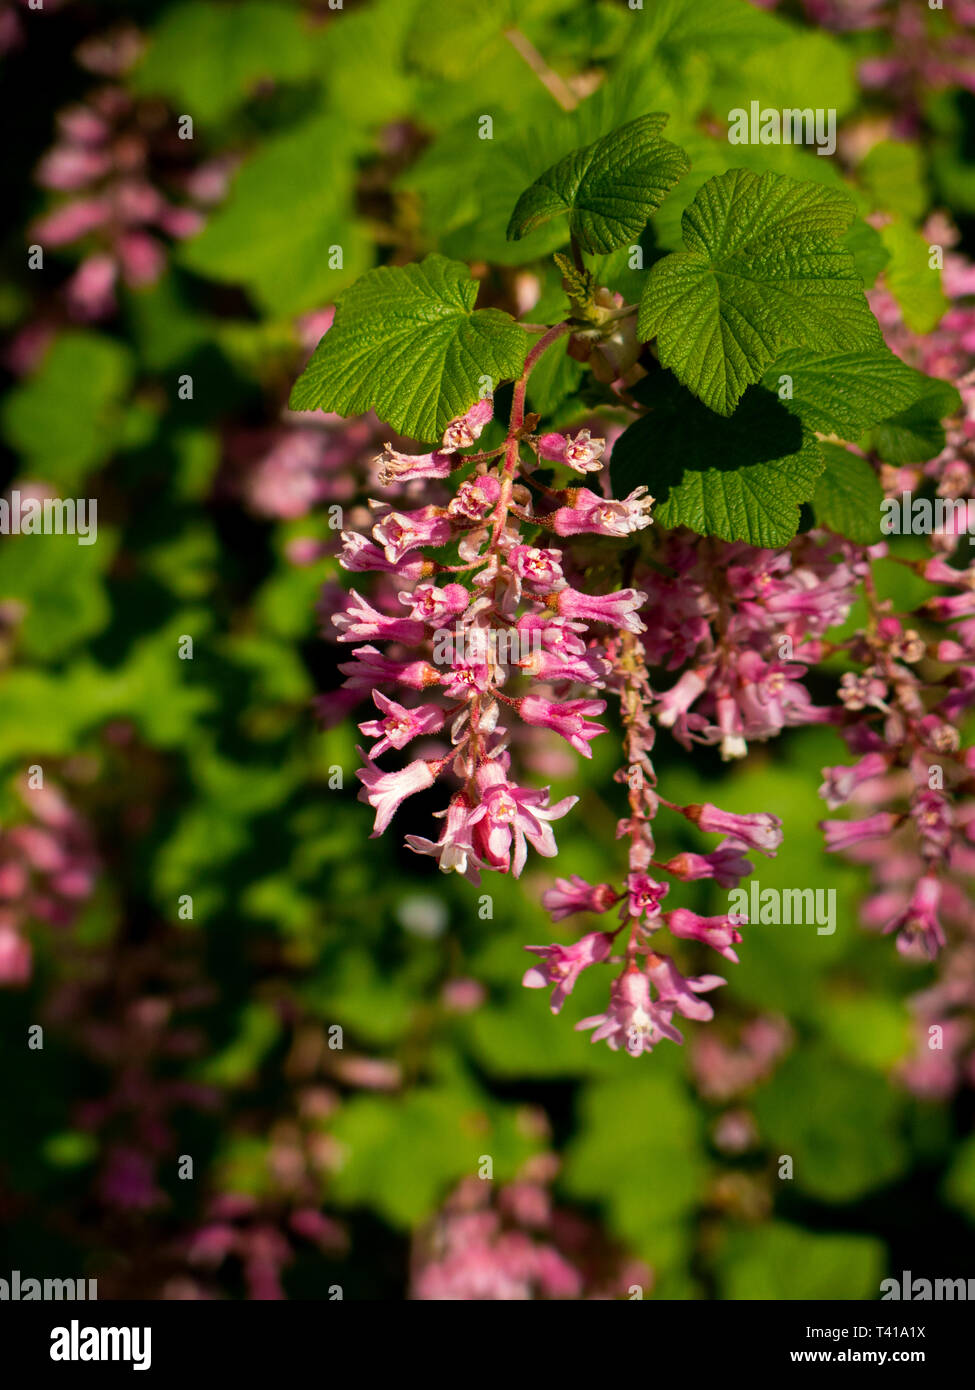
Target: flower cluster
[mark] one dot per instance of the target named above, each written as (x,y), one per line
(129,184)
(742,626)
(650,989)
(503,611)
(513,1243)
(48,868)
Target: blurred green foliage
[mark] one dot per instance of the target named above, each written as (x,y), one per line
(220,785)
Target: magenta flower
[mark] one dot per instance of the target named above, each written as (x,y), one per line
(574,894)
(841,782)
(568,719)
(632,1020)
(406,468)
(400,532)
(677,993)
(759,831)
(842,834)
(359,554)
(512,815)
(463,431)
(588,513)
(400,726)
(430,604)
(918,927)
(540,569)
(618,610)
(359,622)
(474,498)
(561,966)
(454,851)
(720,933)
(726,865)
(583,454)
(385,791)
(371,666)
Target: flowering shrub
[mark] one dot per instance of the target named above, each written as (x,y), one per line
(606,482)
(495,583)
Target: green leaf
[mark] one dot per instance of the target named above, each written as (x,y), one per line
(608,189)
(870,255)
(959,1185)
(848,496)
(401,1156)
(660,1140)
(916,434)
(289,215)
(846,393)
(763,271)
(892,175)
(64,420)
(740,479)
(778,1261)
(844,1138)
(911,279)
(61,587)
(409,344)
(208,58)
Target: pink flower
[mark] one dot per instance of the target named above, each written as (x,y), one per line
(512,815)
(360,621)
(918,926)
(562,965)
(463,431)
(601,516)
(474,498)
(583,454)
(404,468)
(679,994)
(15,957)
(385,791)
(632,1020)
(574,894)
(567,719)
(760,831)
(400,532)
(371,666)
(360,555)
(841,782)
(539,569)
(726,865)
(400,725)
(454,850)
(430,604)
(91,289)
(618,610)
(643,897)
(841,834)
(717,932)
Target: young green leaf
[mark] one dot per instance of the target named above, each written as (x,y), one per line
(910,277)
(408,343)
(916,434)
(742,479)
(848,496)
(845,393)
(609,189)
(763,271)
